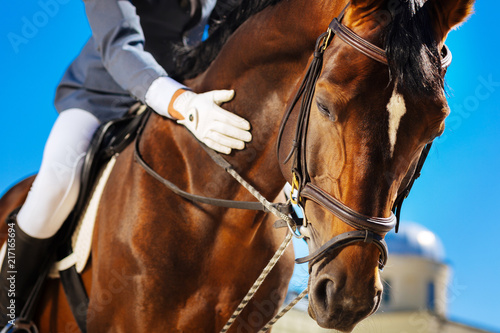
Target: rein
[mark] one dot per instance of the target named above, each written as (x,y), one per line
(262,205)
(279,210)
(368,229)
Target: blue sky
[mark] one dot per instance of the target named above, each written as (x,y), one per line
(457,196)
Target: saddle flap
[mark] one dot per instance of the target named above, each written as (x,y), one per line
(110,139)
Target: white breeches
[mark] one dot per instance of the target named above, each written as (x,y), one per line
(55,189)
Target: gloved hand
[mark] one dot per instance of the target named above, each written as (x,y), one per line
(201,114)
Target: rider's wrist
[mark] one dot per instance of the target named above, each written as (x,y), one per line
(160,94)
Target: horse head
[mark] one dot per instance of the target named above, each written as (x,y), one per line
(370,118)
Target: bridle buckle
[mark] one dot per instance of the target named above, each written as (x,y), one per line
(326,40)
(295,186)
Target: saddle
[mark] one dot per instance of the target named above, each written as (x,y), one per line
(110,139)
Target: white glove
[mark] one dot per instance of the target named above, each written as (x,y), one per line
(217,128)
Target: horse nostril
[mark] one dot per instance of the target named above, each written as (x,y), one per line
(324,293)
(377,299)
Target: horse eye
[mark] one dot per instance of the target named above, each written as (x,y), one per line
(325,111)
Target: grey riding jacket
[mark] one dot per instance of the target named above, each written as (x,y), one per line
(130,47)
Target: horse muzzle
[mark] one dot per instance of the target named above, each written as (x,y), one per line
(336,302)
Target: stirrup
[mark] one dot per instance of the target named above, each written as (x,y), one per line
(20,325)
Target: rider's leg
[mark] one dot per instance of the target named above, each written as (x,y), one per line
(55,189)
(49,202)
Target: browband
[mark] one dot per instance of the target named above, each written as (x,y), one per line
(376,53)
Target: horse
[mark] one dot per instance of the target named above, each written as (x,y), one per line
(163,263)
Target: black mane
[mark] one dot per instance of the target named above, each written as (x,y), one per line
(227,17)
(412,50)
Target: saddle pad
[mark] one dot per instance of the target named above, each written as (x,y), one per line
(81,239)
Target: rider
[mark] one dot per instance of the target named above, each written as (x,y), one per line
(126,59)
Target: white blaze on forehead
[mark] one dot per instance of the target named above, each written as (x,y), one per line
(396,108)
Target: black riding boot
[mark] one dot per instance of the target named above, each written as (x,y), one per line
(26,258)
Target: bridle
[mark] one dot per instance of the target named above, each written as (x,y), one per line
(368,229)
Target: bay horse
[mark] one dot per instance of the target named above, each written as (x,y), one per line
(161,263)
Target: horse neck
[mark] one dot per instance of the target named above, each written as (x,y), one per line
(263,61)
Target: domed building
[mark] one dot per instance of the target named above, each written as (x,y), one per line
(416,276)
(416,280)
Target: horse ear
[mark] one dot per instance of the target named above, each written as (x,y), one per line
(449,14)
